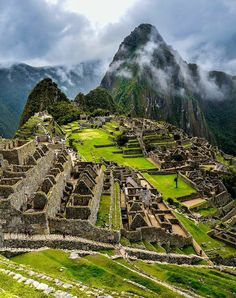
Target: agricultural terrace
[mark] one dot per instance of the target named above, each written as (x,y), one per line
(88,141)
(99,270)
(166,185)
(206,282)
(96,271)
(200,231)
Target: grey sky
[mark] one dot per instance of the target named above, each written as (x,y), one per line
(43,32)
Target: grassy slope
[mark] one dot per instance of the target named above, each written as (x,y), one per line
(103,211)
(10,288)
(205,282)
(199,232)
(97,271)
(116,213)
(166,185)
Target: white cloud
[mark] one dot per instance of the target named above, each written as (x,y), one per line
(100,12)
(69,31)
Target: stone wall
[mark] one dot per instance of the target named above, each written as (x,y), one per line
(82,228)
(221,199)
(161,257)
(188,197)
(157,235)
(96,198)
(69,244)
(34,177)
(188,181)
(56,192)
(18,155)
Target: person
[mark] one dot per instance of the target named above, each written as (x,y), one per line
(176,182)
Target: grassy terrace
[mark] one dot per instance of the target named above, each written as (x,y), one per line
(156,247)
(10,288)
(207,211)
(100,271)
(96,271)
(91,137)
(166,185)
(199,232)
(116,215)
(103,212)
(203,281)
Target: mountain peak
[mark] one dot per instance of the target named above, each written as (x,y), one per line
(140,36)
(44,94)
(149,30)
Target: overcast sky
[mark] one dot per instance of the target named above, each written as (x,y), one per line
(52,32)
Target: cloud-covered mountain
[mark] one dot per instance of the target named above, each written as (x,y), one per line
(16,82)
(148,78)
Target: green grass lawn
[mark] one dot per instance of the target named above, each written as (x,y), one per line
(199,232)
(116,214)
(166,185)
(91,137)
(207,211)
(95,271)
(103,211)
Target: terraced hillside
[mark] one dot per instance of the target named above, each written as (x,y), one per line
(96,143)
(54,273)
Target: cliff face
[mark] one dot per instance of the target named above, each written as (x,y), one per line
(148,78)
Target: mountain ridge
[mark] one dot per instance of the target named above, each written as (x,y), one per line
(148,78)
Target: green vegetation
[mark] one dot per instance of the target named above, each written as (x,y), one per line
(98,98)
(220,158)
(64,112)
(199,231)
(103,212)
(166,185)
(44,94)
(38,126)
(207,211)
(98,271)
(10,288)
(87,138)
(95,271)
(203,281)
(116,215)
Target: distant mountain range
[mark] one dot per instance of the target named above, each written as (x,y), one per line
(17,81)
(148,78)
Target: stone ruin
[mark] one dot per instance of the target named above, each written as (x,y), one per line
(210,186)
(44,192)
(145,216)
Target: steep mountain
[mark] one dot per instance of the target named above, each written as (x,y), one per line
(46,96)
(17,81)
(148,78)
